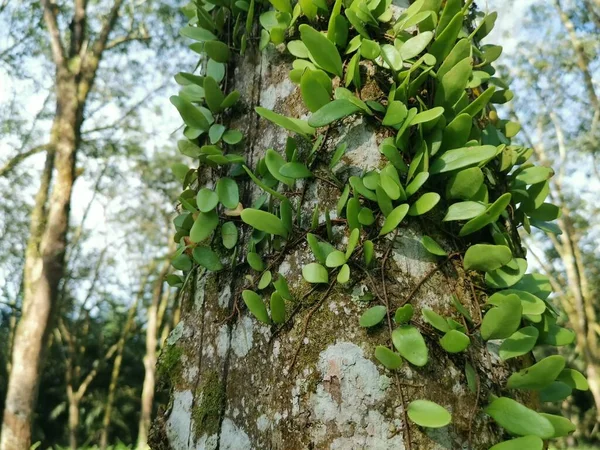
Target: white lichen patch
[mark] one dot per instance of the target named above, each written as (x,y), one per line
(207,442)
(225,296)
(176,334)
(363,152)
(199,291)
(242,336)
(275,92)
(263,423)
(178,424)
(346,402)
(223,341)
(233,437)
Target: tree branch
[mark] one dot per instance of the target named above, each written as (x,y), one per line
(101,42)
(140,35)
(17,159)
(58,52)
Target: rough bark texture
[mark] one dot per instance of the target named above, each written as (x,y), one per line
(231,383)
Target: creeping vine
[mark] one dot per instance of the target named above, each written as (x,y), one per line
(446,149)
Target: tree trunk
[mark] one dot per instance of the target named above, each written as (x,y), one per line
(43,271)
(73,420)
(239,384)
(152,329)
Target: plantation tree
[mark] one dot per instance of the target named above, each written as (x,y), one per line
(83,47)
(348,237)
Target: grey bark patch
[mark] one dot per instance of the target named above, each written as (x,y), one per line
(178,424)
(242,336)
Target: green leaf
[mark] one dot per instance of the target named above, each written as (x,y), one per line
(203,226)
(391,57)
(519,343)
(428,414)
(344,274)
(464,211)
(227,190)
(265,280)
(315,273)
(191,115)
(485,257)
(416,184)
(298,49)
(295,170)
(291,124)
(452,85)
(462,157)
(255,261)
(444,42)
(262,185)
(323,51)
(464,184)
(315,87)
(556,392)
(388,358)
(207,258)
(332,111)
(275,162)
(395,114)
(320,249)
(471,376)
(206,200)
(527,442)
(277,308)
(505,276)
(558,336)
(197,34)
(502,321)
(456,134)
(432,246)
(337,156)
(335,259)
(404,314)
(215,133)
(574,379)
(214,95)
(394,219)
(490,215)
(369,49)
(562,426)
(410,344)
(518,419)
(282,287)
(415,45)
(480,102)
(229,234)
(435,320)
(352,243)
(217,50)
(264,221)
(427,116)
(531,304)
(455,341)
(424,204)
(372,316)
(256,306)
(182,262)
(539,375)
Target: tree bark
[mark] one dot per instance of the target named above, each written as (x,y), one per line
(152,329)
(239,384)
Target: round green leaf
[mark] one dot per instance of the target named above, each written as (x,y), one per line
(428,414)
(324,52)
(461,158)
(428,116)
(530,303)
(255,261)
(464,185)
(502,321)
(228,192)
(519,343)
(295,170)
(182,262)
(315,273)
(372,316)
(217,50)
(573,378)
(505,277)
(455,341)
(518,419)
(464,211)
(485,257)
(404,314)
(335,259)
(490,215)
(282,287)
(555,392)
(207,258)
(277,308)
(274,162)
(410,344)
(388,358)
(539,375)
(203,226)
(229,234)
(256,306)
(424,204)
(522,443)
(265,280)
(298,49)
(206,200)
(232,137)
(415,45)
